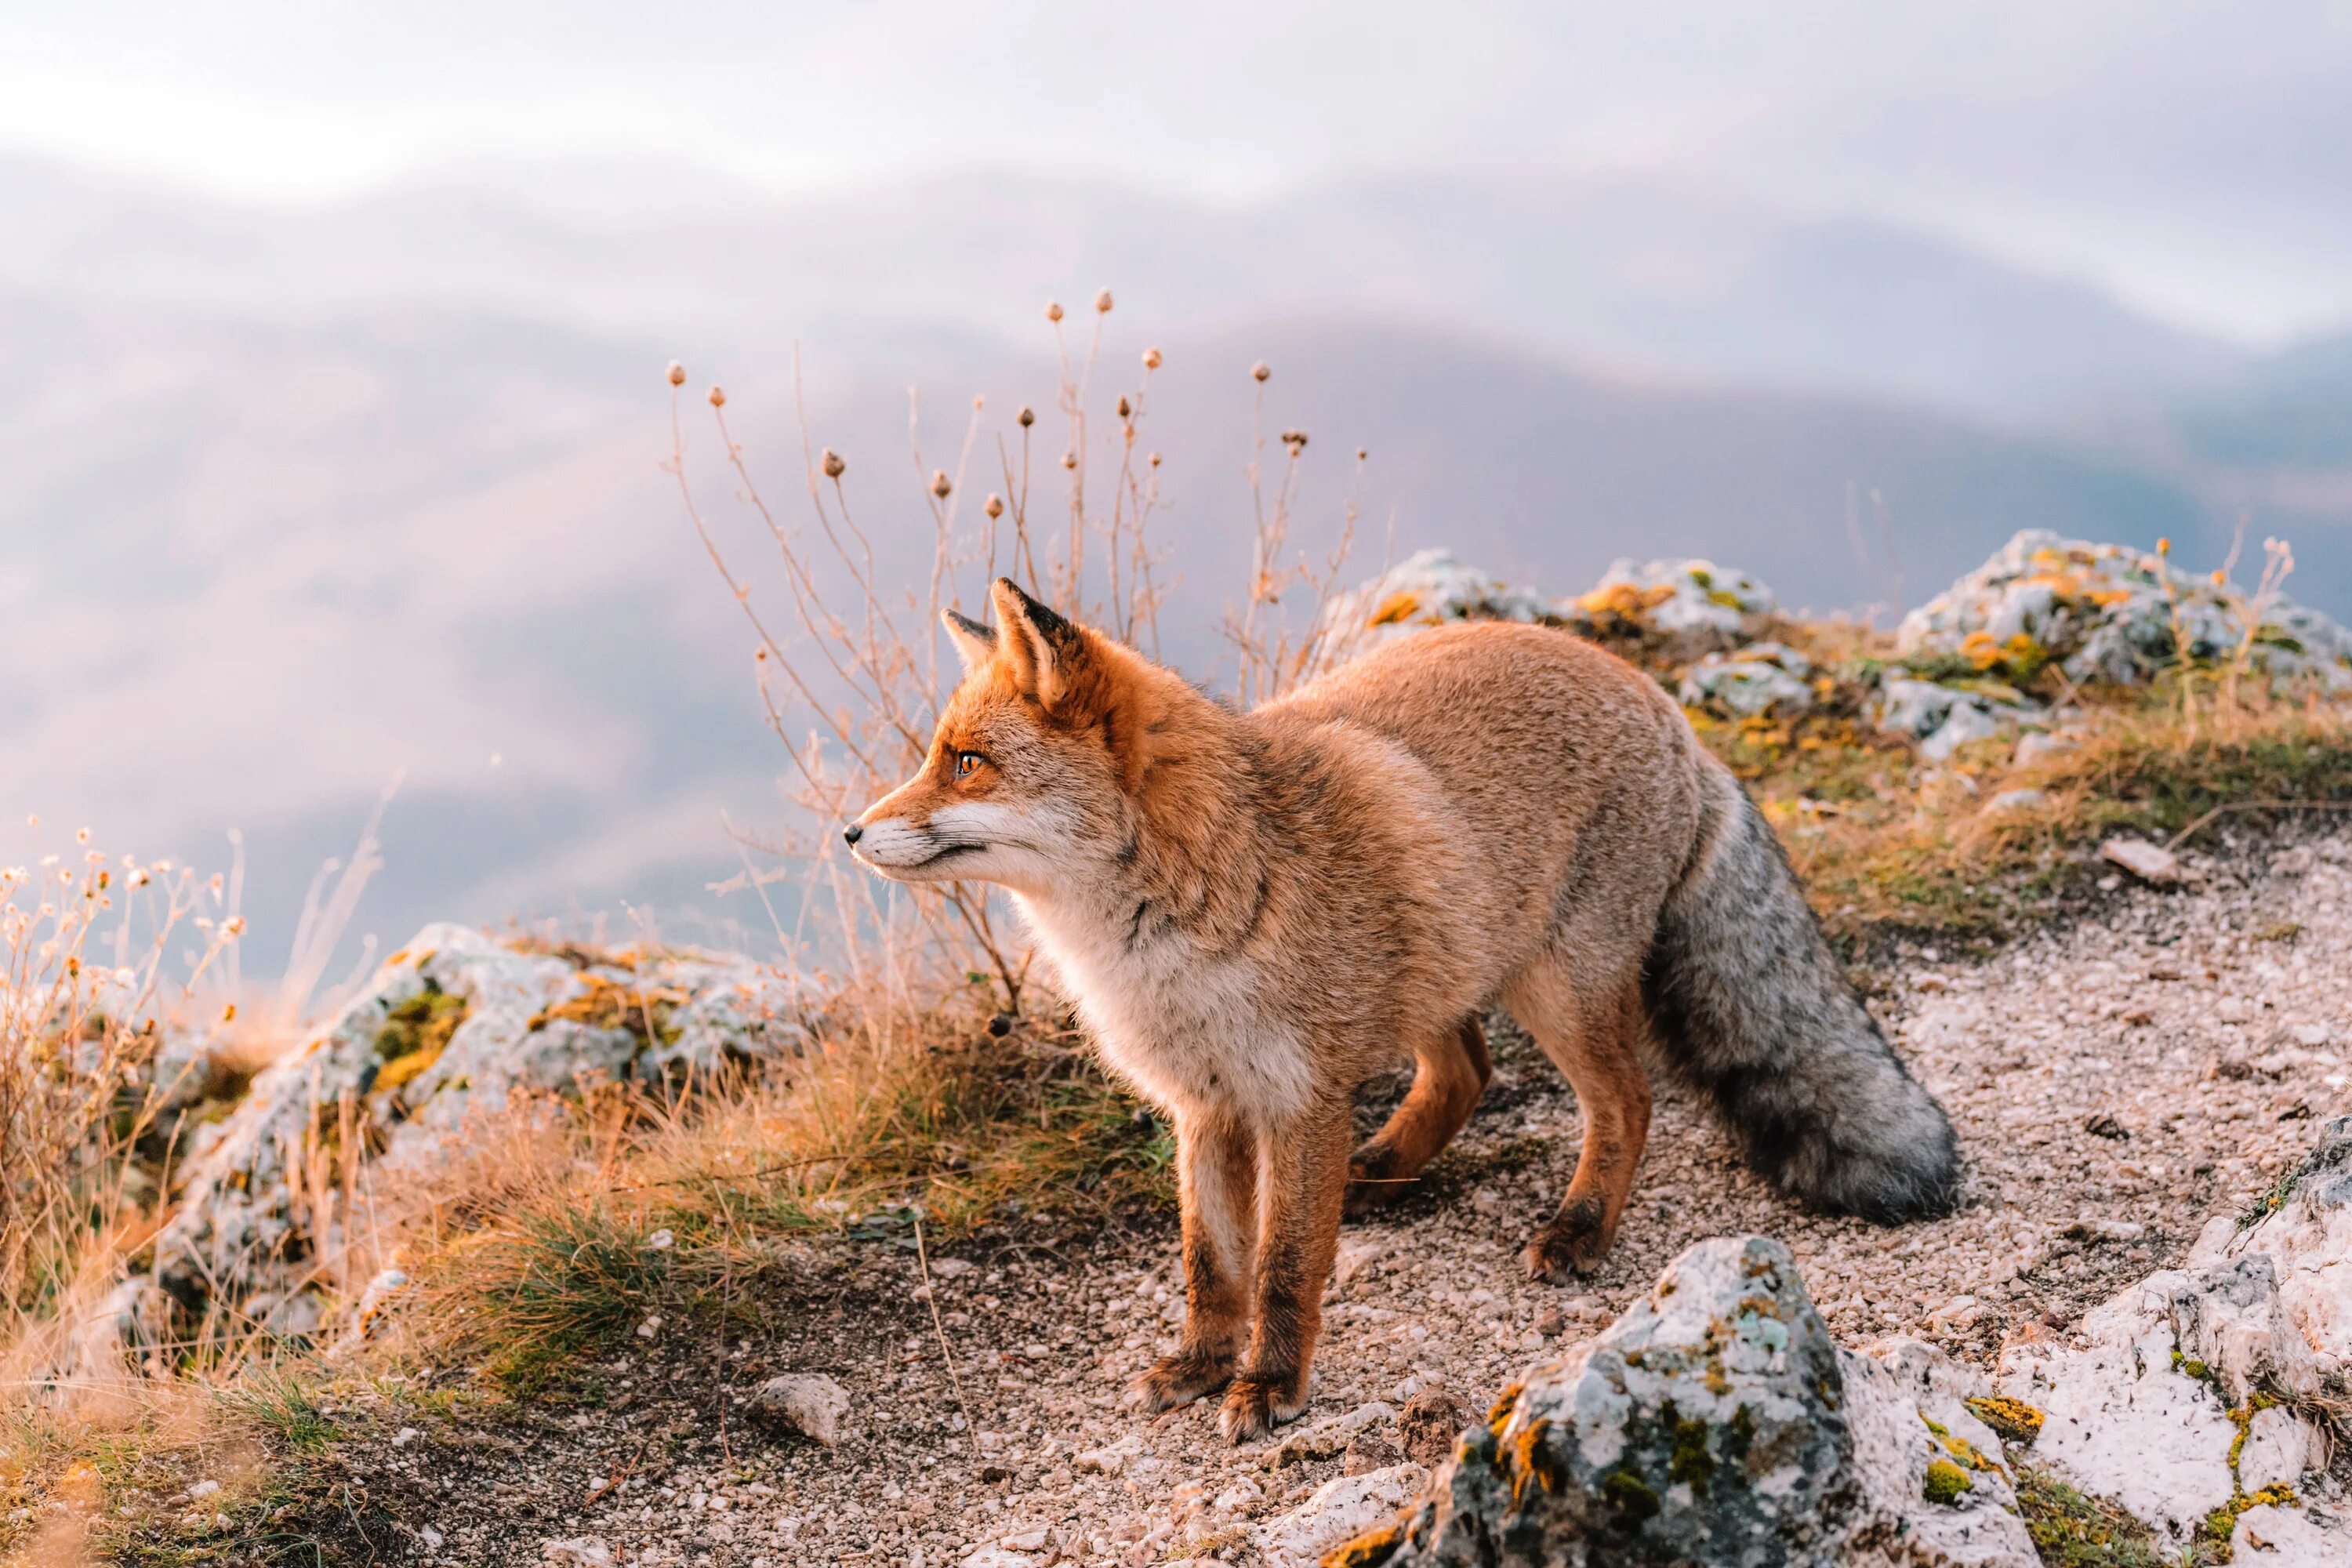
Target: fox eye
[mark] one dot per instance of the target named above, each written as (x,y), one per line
(968,764)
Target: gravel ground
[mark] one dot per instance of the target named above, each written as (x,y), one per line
(2114,1084)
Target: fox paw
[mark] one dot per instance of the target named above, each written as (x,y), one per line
(1576,1242)
(1179,1379)
(1256,1403)
(1372,1180)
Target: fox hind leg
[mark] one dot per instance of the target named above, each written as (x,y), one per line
(1593,1033)
(1450,1072)
(1217,1198)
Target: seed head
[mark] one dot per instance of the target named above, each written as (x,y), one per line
(832,464)
(718,397)
(1155,460)
(1125,408)
(677,373)
(940,485)
(1152,359)
(1102,302)
(1070,460)
(995,507)
(1296,440)
(1361,453)
(1028,418)
(2219,577)
(1053,310)
(1260,371)
(2164,547)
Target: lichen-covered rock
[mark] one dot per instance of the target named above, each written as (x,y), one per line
(1429,588)
(1942,717)
(1761,677)
(2101,612)
(2181,1403)
(455,1021)
(1338,1511)
(1675,598)
(1717,1423)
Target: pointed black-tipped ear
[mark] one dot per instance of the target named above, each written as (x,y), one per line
(1043,647)
(975,641)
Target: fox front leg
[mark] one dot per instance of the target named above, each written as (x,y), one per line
(1217,1193)
(1303,1173)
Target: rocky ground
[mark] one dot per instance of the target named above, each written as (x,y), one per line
(2115,1084)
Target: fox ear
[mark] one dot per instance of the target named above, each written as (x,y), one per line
(975,642)
(1045,648)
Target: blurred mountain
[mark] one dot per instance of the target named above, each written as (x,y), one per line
(301,499)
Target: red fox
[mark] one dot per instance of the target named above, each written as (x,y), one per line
(1256,912)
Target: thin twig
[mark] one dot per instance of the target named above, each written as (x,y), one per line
(2180,837)
(939,1327)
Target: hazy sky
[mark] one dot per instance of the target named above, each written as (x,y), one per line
(2196,157)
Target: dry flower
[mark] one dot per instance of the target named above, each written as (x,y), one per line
(1152,359)
(718,398)
(1053,310)
(995,507)
(677,373)
(941,485)
(1125,408)
(1260,371)
(1069,459)
(1102,302)
(832,464)
(1028,418)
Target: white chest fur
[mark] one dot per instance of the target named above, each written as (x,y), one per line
(1187,1029)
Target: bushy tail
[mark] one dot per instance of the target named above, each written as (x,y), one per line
(1749,1002)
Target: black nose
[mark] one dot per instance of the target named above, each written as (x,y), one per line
(852,834)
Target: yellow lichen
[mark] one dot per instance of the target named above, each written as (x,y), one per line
(2012,1419)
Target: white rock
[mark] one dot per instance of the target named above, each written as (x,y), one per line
(1329,1435)
(1355,1255)
(2277,1450)
(2121,1422)
(2274,1537)
(2148,862)
(1942,719)
(431,1537)
(2036,745)
(808,1402)
(1032,1540)
(999,1557)
(1761,677)
(952,1268)
(1109,1461)
(585,1550)
(2016,800)
(1338,1511)
(203,1490)
(2103,610)
(1676,598)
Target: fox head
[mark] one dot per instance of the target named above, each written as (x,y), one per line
(1031,776)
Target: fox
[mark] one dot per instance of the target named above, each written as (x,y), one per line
(1255,913)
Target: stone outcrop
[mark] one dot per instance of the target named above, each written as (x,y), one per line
(2192,1398)
(1719,1423)
(2103,613)
(454,1023)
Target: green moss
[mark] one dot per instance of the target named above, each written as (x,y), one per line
(1687,1460)
(1630,1497)
(1945,1482)
(414,1033)
(2072,1531)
